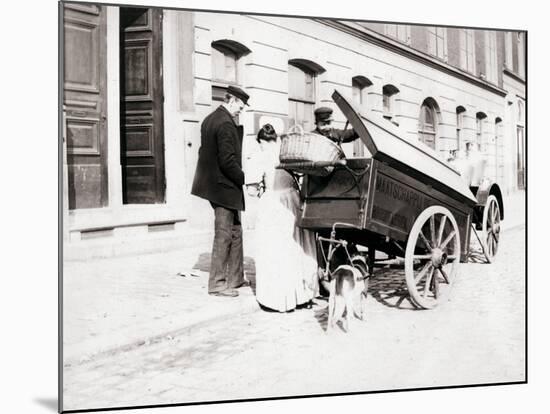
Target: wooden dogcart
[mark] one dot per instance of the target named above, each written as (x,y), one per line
(402,201)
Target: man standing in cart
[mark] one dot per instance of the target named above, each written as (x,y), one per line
(219,178)
(323,126)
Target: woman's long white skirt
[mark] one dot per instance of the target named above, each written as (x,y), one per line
(286,264)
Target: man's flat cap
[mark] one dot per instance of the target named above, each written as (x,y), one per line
(238,93)
(323,113)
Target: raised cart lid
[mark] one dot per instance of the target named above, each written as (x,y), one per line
(386,144)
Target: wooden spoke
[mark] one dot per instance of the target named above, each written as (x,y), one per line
(428,283)
(441,229)
(452,257)
(447,240)
(444,275)
(421,274)
(432,230)
(422,256)
(425,240)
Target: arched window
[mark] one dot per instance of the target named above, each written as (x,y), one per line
(427,122)
(359,87)
(460,115)
(480,131)
(302,76)
(389,95)
(225,67)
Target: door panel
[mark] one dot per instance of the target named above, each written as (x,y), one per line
(142,135)
(85,104)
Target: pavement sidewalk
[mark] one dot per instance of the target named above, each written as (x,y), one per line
(514,210)
(116,304)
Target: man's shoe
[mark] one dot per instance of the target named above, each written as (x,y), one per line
(230,293)
(245,283)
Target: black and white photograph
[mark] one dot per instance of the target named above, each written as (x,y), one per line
(267,206)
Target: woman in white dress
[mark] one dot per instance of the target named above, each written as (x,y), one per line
(286,263)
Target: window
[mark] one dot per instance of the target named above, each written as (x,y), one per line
(499,154)
(398,31)
(437,42)
(359,87)
(302,92)
(514,46)
(225,66)
(389,95)
(521,113)
(491,56)
(521,54)
(480,130)
(460,114)
(509,56)
(521,157)
(427,123)
(467,50)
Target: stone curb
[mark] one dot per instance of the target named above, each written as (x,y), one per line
(200,323)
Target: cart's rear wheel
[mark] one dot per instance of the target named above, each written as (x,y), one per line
(434,245)
(491,228)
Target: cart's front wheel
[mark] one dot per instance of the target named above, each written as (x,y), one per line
(432,256)
(491,228)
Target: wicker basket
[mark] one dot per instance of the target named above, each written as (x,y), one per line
(300,146)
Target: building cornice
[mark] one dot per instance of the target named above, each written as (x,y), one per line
(402,49)
(513,75)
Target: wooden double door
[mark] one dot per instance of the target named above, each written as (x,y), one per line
(141,103)
(85,102)
(141,106)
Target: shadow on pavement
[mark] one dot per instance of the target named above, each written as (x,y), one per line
(249,267)
(321,315)
(388,287)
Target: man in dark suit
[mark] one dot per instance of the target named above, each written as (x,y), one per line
(219,178)
(323,126)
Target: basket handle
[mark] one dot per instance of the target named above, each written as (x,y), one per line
(296,128)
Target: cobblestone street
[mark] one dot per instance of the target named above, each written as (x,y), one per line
(477,337)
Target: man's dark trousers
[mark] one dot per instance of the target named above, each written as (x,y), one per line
(226,267)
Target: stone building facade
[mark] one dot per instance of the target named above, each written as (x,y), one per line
(138,82)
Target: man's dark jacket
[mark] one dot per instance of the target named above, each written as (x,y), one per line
(219,177)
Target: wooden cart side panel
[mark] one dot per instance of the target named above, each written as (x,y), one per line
(322,213)
(336,198)
(396,200)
